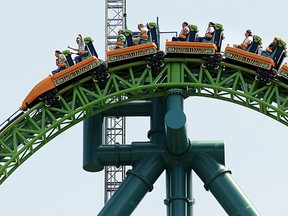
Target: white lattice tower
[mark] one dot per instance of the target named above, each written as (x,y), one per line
(115,13)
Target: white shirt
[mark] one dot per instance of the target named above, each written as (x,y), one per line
(248,40)
(81,46)
(185,30)
(210,30)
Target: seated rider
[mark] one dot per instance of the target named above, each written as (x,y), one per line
(120,40)
(60,61)
(247,41)
(271,48)
(143,35)
(81,48)
(183,33)
(209,32)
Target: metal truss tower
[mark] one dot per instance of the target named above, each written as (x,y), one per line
(115,13)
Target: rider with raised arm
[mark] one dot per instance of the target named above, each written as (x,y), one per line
(80,50)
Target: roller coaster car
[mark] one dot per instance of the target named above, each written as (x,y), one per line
(251,59)
(205,51)
(249,56)
(126,54)
(278,54)
(263,65)
(190,47)
(183,48)
(47,89)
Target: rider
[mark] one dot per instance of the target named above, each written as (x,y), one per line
(120,43)
(184,33)
(80,50)
(272,46)
(143,35)
(60,61)
(246,42)
(209,32)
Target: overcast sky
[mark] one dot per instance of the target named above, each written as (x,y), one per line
(52,181)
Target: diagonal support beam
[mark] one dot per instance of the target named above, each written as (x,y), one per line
(219,181)
(138,182)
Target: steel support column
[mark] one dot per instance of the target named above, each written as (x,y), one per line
(177,145)
(138,182)
(219,181)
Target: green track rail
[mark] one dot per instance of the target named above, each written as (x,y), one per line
(134,81)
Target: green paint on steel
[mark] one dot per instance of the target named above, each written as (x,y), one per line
(129,82)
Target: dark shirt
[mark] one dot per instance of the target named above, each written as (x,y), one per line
(272,46)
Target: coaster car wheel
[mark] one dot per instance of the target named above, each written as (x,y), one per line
(101,73)
(47,103)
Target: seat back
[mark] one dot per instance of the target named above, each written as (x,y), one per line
(254,46)
(69,59)
(192,33)
(278,56)
(129,38)
(90,47)
(280,60)
(153,33)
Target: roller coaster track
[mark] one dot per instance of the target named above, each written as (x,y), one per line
(28,132)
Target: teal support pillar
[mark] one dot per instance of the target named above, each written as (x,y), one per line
(219,181)
(138,182)
(121,155)
(177,201)
(92,139)
(177,142)
(157,132)
(175,99)
(175,124)
(177,145)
